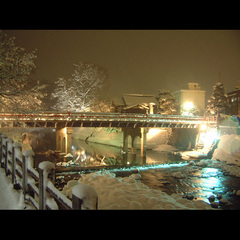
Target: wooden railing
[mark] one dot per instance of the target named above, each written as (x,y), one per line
(38,186)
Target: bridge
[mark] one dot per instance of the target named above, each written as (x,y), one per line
(91,119)
(132,124)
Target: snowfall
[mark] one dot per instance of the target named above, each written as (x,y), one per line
(129,192)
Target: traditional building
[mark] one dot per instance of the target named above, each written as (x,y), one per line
(191,99)
(135,103)
(233,99)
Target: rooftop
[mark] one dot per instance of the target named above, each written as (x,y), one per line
(135,99)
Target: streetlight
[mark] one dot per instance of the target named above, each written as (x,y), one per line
(187,107)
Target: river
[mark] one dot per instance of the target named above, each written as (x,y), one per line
(165,171)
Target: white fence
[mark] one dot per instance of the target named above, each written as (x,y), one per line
(38,186)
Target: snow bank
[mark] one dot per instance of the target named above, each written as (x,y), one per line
(228,149)
(9,197)
(165,148)
(192,155)
(228,152)
(87,194)
(130,193)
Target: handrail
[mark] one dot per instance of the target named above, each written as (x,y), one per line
(98,115)
(37,187)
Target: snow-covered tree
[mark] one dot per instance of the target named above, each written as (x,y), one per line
(218,101)
(83,90)
(18,92)
(167,102)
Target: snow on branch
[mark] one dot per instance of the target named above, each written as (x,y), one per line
(80,92)
(17,91)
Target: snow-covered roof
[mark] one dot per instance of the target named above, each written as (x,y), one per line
(141,106)
(118,101)
(134,99)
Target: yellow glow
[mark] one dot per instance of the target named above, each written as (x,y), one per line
(188,105)
(208,137)
(203,127)
(153,132)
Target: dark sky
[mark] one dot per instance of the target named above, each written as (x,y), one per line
(139,61)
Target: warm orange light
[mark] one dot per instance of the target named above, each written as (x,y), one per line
(203,127)
(153,132)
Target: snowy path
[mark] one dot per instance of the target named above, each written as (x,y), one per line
(9,197)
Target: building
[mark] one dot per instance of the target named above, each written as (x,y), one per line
(191,99)
(135,103)
(233,99)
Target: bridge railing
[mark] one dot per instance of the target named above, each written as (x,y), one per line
(48,116)
(37,186)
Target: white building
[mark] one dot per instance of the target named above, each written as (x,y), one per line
(191,98)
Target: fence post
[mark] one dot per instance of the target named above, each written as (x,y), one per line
(14,147)
(46,171)
(27,155)
(8,140)
(84,197)
(3,142)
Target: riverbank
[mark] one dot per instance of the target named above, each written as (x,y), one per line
(190,183)
(216,182)
(130,193)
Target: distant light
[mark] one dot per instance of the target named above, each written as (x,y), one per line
(188,105)
(208,137)
(153,132)
(203,127)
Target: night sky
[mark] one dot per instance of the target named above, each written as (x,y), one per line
(139,61)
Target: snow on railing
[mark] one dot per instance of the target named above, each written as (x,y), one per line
(38,186)
(98,116)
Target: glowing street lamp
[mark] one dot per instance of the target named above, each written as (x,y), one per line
(203,127)
(187,108)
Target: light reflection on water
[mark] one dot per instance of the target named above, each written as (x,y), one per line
(201,182)
(101,155)
(208,183)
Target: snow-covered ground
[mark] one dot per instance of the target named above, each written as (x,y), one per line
(130,193)
(9,197)
(193,155)
(228,149)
